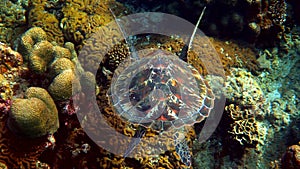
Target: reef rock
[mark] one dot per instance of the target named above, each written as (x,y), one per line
(291,158)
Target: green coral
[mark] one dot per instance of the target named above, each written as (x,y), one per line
(40,56)
(64,85)
(35,115)
(60,62)
(29,39)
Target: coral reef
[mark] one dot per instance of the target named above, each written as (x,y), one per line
(251,20)
(19,152)
(48,21)
(279,80)
(109,63)
(35,115)
(245,103)
(72,20)
(12,20)
(260,126)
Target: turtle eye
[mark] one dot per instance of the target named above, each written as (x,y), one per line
(134,97)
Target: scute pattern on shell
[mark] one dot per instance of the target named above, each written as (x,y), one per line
(161,92)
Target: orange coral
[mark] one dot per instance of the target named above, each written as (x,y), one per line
(9,59)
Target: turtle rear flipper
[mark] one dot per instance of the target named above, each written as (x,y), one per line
(135,140)
(182,149)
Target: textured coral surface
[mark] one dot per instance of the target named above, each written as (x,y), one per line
(41,47)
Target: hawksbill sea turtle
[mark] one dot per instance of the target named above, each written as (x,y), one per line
(161,92)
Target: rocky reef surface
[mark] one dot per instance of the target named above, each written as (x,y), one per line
(41,77)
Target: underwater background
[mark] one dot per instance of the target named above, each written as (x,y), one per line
(258,42)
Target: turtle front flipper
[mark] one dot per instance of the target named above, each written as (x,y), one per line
(135,140)
(182,149)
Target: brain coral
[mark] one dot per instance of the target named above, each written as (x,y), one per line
(38,16)
(41,56)
(35,115)
(29,39)
(63,85)
(56,63)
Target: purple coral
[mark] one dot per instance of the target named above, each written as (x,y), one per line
(5,105)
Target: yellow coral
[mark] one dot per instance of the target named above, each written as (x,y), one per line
(34,116)
(38,17)
(64,85)
(41,55)
(29,38)
(60,65)
(5,90)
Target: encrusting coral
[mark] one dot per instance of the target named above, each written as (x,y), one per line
(12,19)
(245,101)
(35,115)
